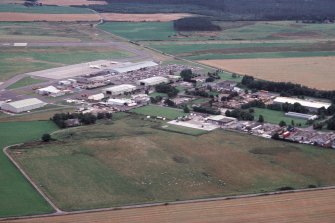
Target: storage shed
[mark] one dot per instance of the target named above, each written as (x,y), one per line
(23,105)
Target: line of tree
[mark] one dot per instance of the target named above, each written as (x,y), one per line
(195,24)
(85,119)
(167,89)
(207,110)
(286,88)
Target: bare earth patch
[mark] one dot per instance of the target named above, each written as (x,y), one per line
(31,17)
(158,17)
(72,2)
(316,72)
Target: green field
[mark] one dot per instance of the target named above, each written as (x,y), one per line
(26,81)
(44,9)
(131,161)
(140,30)
(17,61)
(275,117)
(17,196)
(153,110)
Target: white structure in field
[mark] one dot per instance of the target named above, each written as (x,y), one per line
(152,81)
(311,105)
(23,105)
(96,97)
(128,67)
(50,91)
(121,102)
(119,89)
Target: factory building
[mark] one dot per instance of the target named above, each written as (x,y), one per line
(313,106)
(119,90)
(121,102)
(22,105)
(128,67)
(301,115)
(96,97)
(152,81)
(50,91)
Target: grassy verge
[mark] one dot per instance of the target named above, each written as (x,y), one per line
(26,81)
(152,110)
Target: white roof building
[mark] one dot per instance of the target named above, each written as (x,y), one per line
(50,90)
(121,102)
(119,89)
(23,105)
(153,81)
(96,97)
(314,105)
(124,68)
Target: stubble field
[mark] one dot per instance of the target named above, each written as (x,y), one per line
(315,72)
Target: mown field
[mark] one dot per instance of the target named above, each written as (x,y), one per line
(307,207)
(26,81)
(15,61)
(153,110)
(130,161)
(17,196)
(44,9)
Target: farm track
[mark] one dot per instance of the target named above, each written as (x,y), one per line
(303,207)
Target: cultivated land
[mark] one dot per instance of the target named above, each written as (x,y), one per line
(159,17)
(17,196)
(307,207)
(22,60)
(316,72)
(130,161)
(44,9)
(31,17)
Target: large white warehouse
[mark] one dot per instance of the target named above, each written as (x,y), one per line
(311,105)
(119,90)
(23,105)
(128,67)
(152,81)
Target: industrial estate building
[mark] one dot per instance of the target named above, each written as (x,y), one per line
(23,105)
(301,115)
(152,81)
(120,89)
(128,67)
(311,105)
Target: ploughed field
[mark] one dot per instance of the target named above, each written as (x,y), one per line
(315,72)
(132,161)
(306,207)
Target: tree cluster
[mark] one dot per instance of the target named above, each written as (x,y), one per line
(195,24)
(286,88)
(207,110)
(167,89)
(240,114)
(85,119)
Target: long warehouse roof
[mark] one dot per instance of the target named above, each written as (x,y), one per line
(120,87)
(25,102)
(134,66)
(305,103)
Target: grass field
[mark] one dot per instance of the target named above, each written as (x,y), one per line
(275,117)
(17,196)
(17,61)
(44,9)
(313,206)
(140,30)
(153,110)
(26,81)
(315,72)
(131,161)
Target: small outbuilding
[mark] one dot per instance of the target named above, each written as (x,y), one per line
(23,105)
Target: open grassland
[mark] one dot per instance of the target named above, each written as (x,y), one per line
(157,17)
(140,30)
(153,110)
(130,161)
(26,81)
(316,72)
(43,9)
(275,117)
(17,196)
(15,61)
(72,2)
(306,207)
(39,17)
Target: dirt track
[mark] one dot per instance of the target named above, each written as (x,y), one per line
(302,207)
(30,17)
(316,72)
